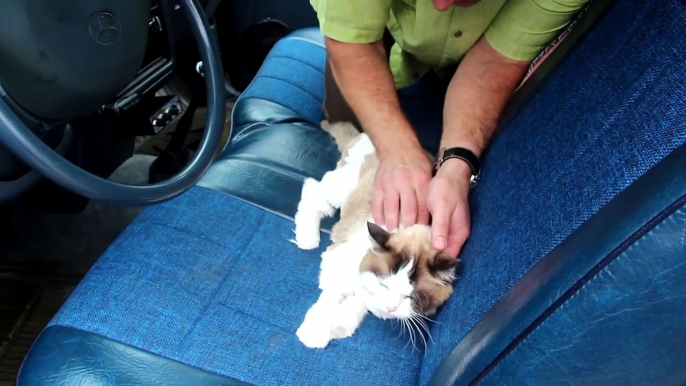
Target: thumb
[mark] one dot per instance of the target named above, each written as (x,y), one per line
(440,227)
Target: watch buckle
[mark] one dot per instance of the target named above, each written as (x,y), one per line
(439,159)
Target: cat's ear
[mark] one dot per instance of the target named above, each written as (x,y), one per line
(443,262)
(379,235)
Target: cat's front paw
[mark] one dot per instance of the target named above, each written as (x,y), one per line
(314,333)
(342,330)
(351,314)
(306,237)
(308,216)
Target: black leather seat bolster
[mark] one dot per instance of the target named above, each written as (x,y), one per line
(276,140)
(67,356)
(635,267)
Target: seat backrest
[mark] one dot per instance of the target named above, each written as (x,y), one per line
(609,113)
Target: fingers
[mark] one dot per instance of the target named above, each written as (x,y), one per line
(377,206)
(459,229)
(440,226)
(408,205)
(391,207)
(400,192)
(457,237)
(422,208)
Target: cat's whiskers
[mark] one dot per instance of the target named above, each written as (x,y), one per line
(401,329)
(427,318)
(423,324)
(411,331)
(404,325)
(413,322)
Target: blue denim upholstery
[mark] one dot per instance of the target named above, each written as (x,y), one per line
(572,148)
(212,282)
(221,288)
(627,225)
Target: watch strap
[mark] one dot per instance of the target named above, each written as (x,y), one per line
(463,154)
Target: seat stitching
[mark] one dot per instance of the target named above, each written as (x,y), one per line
(294,85)
(322,46)
(319,70)
(270,165)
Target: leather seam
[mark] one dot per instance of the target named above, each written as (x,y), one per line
(291,84)
(242,96)
(665,214)
(143,350)
(270,211)
(259,124)
(270,166)
(298,61)
(299,38)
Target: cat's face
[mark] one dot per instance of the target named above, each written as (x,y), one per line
(404,275)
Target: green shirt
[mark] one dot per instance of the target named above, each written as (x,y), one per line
(427,39)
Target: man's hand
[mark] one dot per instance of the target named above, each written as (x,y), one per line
(481,87)
(447,202)
(365,80)
(400,188)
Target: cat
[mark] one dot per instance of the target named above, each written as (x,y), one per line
(394,275)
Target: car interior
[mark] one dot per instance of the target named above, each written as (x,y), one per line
(152,156)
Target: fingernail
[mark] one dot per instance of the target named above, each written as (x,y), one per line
(439,243)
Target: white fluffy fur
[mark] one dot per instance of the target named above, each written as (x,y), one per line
(322,198)
(346,295)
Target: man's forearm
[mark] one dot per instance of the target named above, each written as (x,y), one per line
(478,92)
(365,80)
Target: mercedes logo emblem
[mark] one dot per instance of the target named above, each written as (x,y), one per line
(105,28)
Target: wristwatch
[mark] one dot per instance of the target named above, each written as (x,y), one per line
(465,155)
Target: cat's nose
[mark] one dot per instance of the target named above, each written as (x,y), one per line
(391,308)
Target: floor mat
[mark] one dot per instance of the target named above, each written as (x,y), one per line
(27,303)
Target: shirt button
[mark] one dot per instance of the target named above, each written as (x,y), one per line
(458,34)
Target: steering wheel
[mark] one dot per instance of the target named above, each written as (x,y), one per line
(21,140)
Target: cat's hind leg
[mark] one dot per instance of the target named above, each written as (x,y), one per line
(312,207)
(321,199)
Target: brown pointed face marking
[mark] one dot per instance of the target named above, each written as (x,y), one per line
(432,271)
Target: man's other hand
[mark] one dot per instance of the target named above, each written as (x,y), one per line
(400,187)
(449,207)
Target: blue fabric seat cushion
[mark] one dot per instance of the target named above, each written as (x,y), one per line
(213,282)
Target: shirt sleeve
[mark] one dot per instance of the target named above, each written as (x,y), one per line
(352,21)
(523,28)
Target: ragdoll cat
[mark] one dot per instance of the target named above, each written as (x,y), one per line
(396,275)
